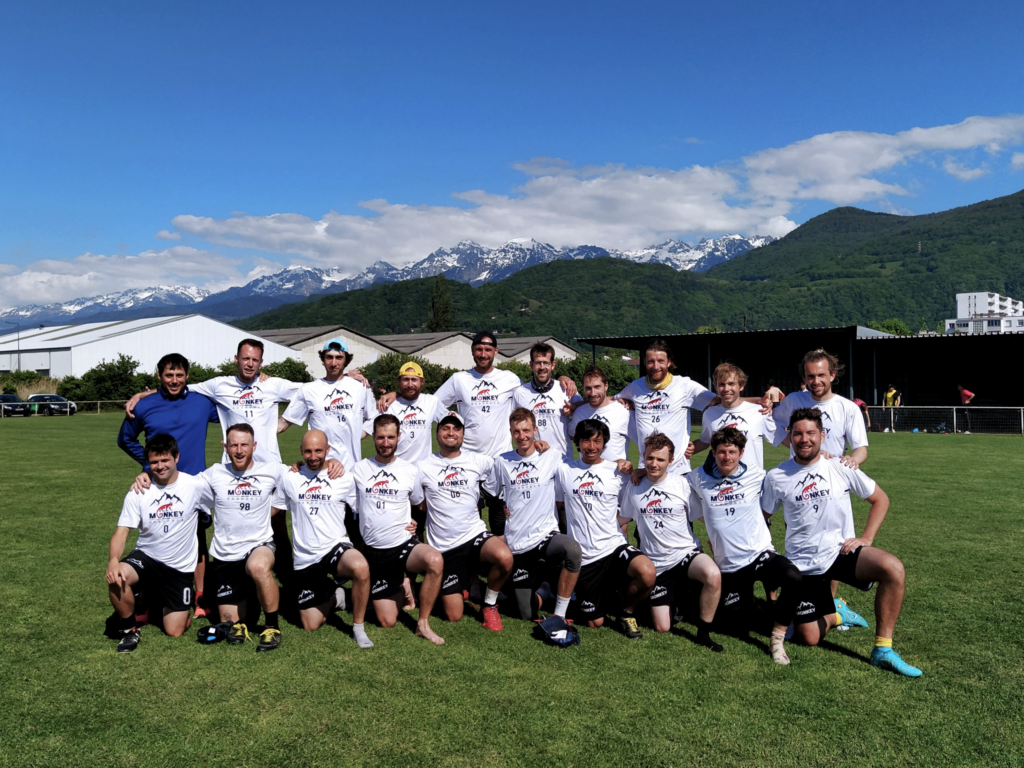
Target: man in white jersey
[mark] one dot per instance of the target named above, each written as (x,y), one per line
(484,397)
(385,488)
(450,481)
(322,545)
(546,398)
(167,550)
(660,504)
(337,405)
(526,479)
(841,419)
(727,497)
(599,406)
(244,399)
(589,490)
(814,495)
(734,411)
(243,539)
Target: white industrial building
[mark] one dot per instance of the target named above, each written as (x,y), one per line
(984,312)
(310,341)
(71,350)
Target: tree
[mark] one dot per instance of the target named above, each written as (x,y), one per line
(290,370)
(440,314)
(893,325)
(709,329)
(618,372)
(384,372)
(116,380)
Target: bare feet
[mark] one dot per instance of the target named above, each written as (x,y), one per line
(423,630)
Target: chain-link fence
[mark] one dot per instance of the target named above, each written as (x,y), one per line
(942,420)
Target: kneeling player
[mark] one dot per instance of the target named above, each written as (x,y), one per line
(589,489)
(660,505)
(322,547)
(814,495)
(728,498)
(450,482)
(385,488)
(525,478)
(166,553)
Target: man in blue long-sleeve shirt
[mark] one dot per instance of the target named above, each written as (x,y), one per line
(183,415)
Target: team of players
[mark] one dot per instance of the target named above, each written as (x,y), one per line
(552,520)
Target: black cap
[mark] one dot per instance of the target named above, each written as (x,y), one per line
(485,338)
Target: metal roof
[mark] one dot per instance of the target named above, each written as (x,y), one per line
(65,336)
(514,345)
(292,336)
(862,332)
(414,342)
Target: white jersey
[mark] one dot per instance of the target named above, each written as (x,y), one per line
(383,495)
(254,404)
(317,506)
(841,420)
(546,407)
(527,484)
(243,501)
(166,516)
(731,508)
(590,493)
(417,419)
(815,502)
(485,403)
(748,419)
(616,418)
(452,489)
(662,514)
(666,411)
(338,408)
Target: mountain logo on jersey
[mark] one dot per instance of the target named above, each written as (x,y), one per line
(248,398)
(726,490)
(652,503)
(314,489)
(808,487)
(380,484)
(412,416)
(734,421)
(451,477)
(165,506)
(335,401)
(653,401)
(485,391)
(541,403)
(246,485)
(521,473)
(585,485)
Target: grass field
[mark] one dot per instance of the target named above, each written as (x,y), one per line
(504,698)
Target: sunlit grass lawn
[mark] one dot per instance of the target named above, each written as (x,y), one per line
(506,699)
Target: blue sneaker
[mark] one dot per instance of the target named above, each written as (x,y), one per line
(850,617)
(887,658)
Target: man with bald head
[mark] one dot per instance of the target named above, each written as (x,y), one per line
(322,548)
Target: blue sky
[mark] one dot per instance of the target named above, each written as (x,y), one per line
(207,143)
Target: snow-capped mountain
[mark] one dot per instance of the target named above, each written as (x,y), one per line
(466,262)
(134,298)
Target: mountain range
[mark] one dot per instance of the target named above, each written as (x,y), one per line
(467,262)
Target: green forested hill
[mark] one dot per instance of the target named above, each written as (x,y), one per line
(843,267)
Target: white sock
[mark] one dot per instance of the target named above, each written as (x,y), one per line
(359,633)
(561,605)
(339,599)
(490,597)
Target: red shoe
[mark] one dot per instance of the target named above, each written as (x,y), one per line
(492,619)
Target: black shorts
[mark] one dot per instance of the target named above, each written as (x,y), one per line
(174,587)
(669,582)
(460,564)
(816,599)
(600,577)
(387,568)
(228,579)
(738,586)
(529,568)
(314,583)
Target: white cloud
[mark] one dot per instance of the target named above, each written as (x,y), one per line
(962,172)
(1017,161)
(52,280)
(166,234)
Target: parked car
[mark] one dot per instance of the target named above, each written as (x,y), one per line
(12,405)
(50,405)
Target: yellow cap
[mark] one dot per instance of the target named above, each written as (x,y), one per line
(410,369)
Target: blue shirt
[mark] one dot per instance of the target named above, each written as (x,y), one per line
(184,418)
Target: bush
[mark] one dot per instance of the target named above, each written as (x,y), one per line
(619,372)
(115,380)
(522,370)
(290,370)
(384,373)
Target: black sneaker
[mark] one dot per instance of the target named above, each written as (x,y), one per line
(129,641)
(238,633)
(270,638)
(629,627)
(704,638)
